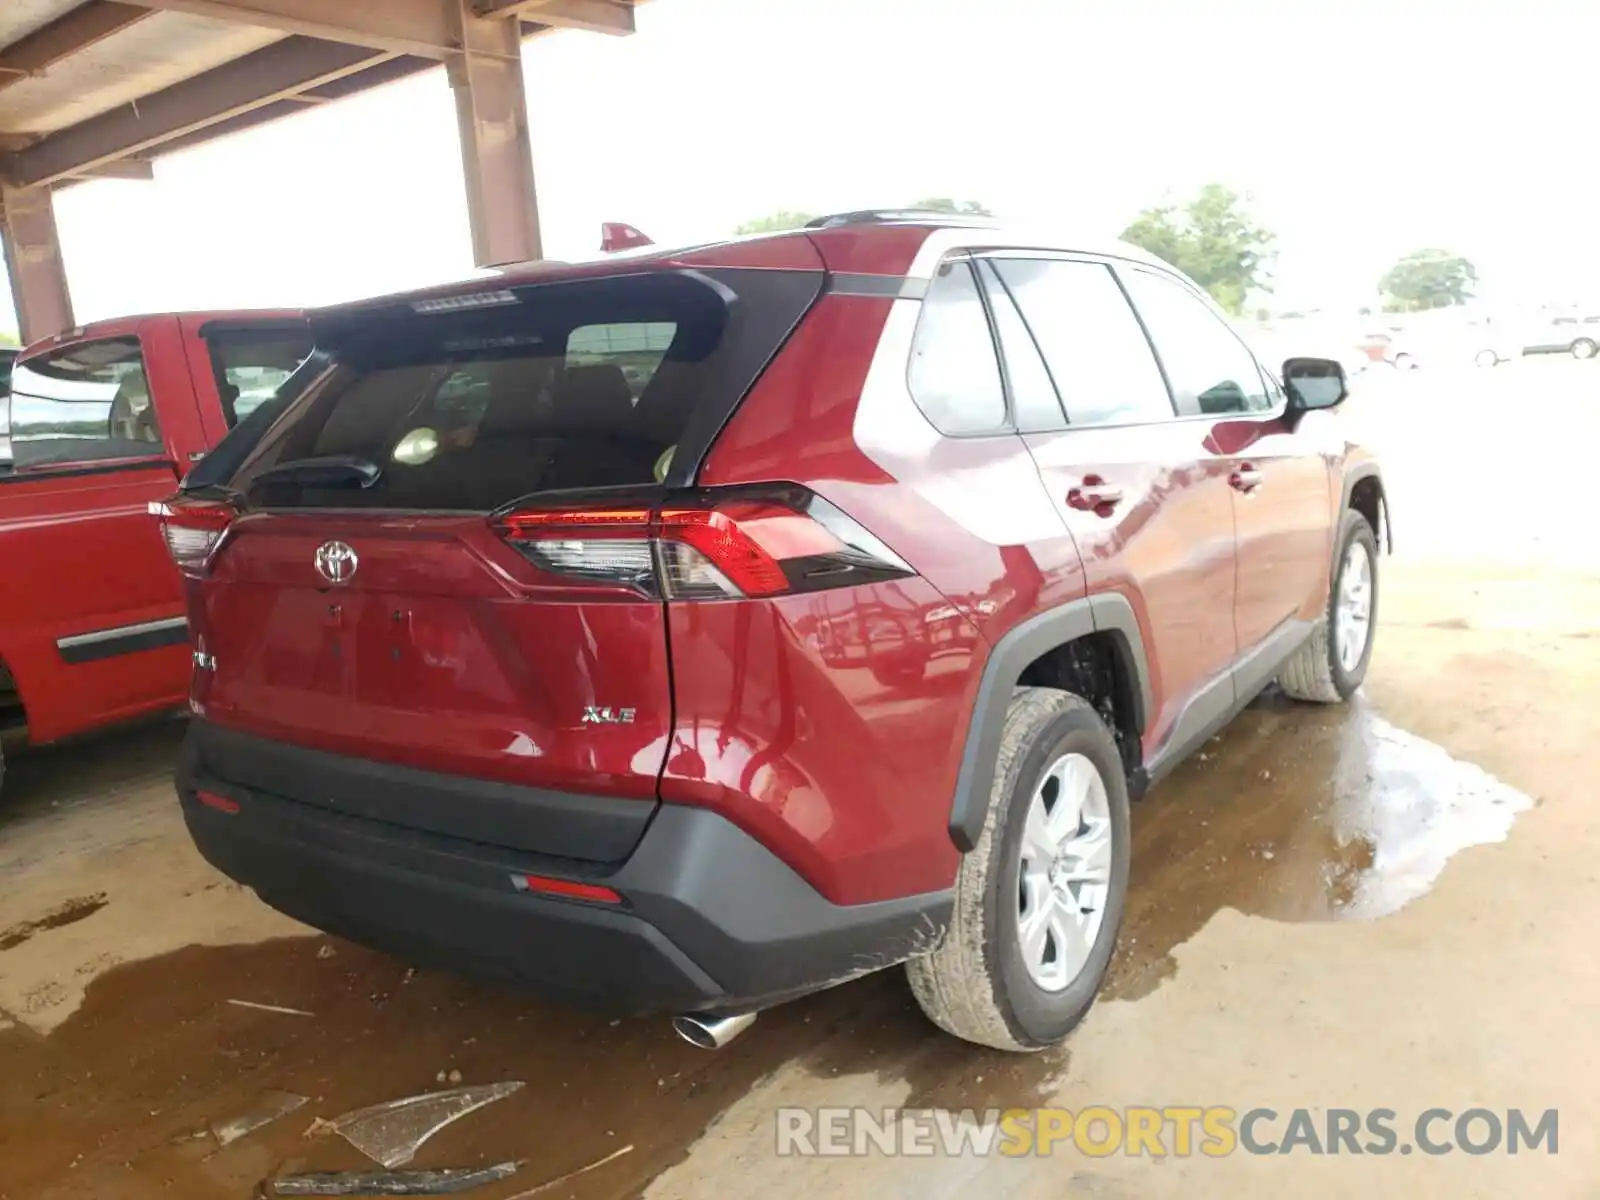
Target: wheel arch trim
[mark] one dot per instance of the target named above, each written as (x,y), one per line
(1357,474)
(1104,612)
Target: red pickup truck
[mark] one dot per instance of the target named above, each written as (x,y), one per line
(97,423)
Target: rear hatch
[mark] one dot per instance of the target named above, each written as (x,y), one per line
(387,573)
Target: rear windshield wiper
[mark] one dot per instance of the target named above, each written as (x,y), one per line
(333,470)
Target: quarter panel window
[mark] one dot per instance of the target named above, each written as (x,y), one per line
(1209,368)
(1098,356)
(87,403)
(955,375)
(1034,403)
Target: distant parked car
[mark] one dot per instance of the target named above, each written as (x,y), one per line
(1479,343)
(1374,347)
(1577,336)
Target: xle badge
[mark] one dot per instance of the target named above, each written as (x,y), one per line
(593,715)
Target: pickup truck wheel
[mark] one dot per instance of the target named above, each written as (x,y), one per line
(1039,900)
(1584,348)
(1333,662)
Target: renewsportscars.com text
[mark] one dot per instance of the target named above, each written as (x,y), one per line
(1157,1132)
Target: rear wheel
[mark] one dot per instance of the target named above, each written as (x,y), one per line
(1487,358)
(1039,900)
(1333,662)
(1584,348)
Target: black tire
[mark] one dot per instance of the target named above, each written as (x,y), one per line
(1584,348)
(1316,673)
(975,985)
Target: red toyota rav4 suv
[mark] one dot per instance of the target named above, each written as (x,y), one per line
(696,629)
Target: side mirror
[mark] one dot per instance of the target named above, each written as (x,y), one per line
(1314,383)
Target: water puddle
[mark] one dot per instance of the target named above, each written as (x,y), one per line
(1299,814)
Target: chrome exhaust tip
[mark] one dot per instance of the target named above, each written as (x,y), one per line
(711,1033)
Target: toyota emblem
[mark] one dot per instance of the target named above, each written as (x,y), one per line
(336,562)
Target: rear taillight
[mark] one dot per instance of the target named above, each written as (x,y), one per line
(719,546)
(192,529)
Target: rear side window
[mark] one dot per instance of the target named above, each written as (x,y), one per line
(1211,371)
(87,403)
(573,385)
(252,364)
(1098,356)
(954,375)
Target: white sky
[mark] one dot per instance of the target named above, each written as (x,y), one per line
(1361,129)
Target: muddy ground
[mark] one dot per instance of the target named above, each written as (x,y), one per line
(1386,905)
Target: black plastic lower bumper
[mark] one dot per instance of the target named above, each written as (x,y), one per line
(710,920)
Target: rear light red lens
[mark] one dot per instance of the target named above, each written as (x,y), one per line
(723,548)
(727,547)
(192,529)
(568,889)
(593,522)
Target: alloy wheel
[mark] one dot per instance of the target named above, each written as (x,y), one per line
(1065,881)
(1353,613)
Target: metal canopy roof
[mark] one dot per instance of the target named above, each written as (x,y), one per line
(94,88)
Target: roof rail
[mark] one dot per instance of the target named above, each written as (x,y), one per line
(883,216)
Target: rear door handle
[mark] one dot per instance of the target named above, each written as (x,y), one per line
(1094,495)
(1245,479)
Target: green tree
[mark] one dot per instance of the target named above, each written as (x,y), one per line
(776,223)
(943,204)
(1428,279)
(1213,239)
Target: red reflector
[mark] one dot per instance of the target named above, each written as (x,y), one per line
(567,888)
(220,803)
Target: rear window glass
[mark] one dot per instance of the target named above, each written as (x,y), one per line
(636,348)
(583,384)
(252,364)
(88,403)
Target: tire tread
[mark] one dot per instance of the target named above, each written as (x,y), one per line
(1309,673)
(955,984)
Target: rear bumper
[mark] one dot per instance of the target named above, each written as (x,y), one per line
(710,920)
